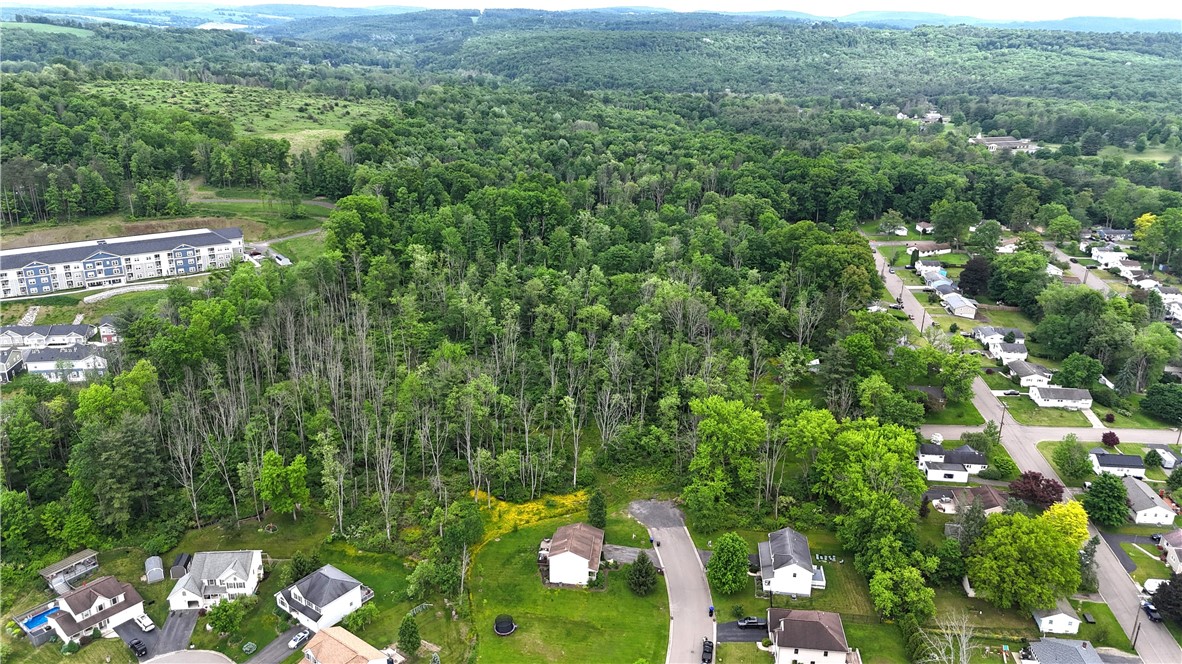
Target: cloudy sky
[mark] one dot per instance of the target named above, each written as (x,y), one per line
(1007,10)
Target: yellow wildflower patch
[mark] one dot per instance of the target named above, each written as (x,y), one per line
(502,517)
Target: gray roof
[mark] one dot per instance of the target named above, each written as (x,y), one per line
(1010,348)
(1022,369)
(945,289)
(989,330)
(86,331)
(815,630)
(955,467)
(927,263)
(1065,651)
(1141,497)
(321,587)
(956,301)
(210,565)
(1119,460)
(64,354)
(1169,290)
(785,547)
(1067,393)
(964,454)
(1173,538)
(1061,606)
(69,561)
(83,598)
(79,251)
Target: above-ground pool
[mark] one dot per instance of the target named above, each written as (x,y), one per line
(39,619)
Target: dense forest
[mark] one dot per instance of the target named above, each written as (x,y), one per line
(565,267)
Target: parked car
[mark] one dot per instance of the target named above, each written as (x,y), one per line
(281,260)
(1156,537)
(891,270)
(145,622)
(707,650)
(1151,611)
(138,648)
(896,306)
(1012,393)
(752,622)
(1073,260)
(298,639)
(908,267)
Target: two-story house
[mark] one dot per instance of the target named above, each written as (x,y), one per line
(988,334)
(44,336)
(817,637)
(102,604)
(217,575)
(1108,256)
(786,565)
(72,364)
(323,598)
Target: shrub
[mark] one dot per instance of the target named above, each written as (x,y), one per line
(1110,439)
(767,643)
(988,372)
(70,647)
(363,616)
(1153,459)
(1109,418)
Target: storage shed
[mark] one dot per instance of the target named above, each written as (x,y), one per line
(180,566)
(153,569)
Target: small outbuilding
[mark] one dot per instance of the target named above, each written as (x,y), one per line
(1061,619)
(504,625)
(180,566)
(153,569)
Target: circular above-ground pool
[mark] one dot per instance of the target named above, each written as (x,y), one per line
(504,625)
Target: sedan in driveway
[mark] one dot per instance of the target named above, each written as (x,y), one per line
(298,639)
(1012,393)
(138,648)
(752,622)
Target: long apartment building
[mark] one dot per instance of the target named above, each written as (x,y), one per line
(115,261)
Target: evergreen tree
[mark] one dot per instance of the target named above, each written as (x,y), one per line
(408,635)
(642,575)
(1089,580)
(597,511)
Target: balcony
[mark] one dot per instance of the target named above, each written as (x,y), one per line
(366,594)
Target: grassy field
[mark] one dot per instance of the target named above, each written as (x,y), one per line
(257,221)
(303,119)
(63,308)
(1047,449)
(1137,420)
(1025,411)
(878,643)
(1107,632)
(743,653)
(1006,319)
(45,27)
(560,624)
(996,381)
(301,248)
(1148,567)
(956,413)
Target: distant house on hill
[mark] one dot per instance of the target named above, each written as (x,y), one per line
(995,143)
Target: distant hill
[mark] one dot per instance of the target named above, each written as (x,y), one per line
(908,20)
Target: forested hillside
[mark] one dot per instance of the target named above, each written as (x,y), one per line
(586,266)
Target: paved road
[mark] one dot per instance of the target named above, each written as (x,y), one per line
(1086,276)
(172,636)
(685,578)
(1154,643)
(191,657)
(277,650)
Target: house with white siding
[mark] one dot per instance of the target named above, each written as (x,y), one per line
(1007,352)
(1121,465)
(72,364)
(786,565)
(1171,545)
(1109,256)
(961,306)
(928,249)
(1062,619)
(1029,374)
(817,637)
(988,334)
(214,576)
(1070,398)
(44,336)
(573,554)
(102,604)
(323,598)
(1145,506)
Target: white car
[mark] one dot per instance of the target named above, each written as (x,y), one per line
(145,622)
(298,639)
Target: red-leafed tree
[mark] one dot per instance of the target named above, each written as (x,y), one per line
(1110,439)
(1036,489)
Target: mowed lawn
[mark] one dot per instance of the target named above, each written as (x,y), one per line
(300,249)
(1148,566)
(560,625)
(1025,411)
(1107,631)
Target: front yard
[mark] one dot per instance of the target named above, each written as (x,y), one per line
(1047,449)
(560,624)
(1025,411)
(1148,566)
(1107,632)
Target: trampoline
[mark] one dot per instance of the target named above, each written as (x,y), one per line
(504,625)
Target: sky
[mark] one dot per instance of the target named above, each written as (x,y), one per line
(1000,10)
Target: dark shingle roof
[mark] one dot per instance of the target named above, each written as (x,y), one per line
(67,353)
(79,251)
(87,331)
(814,630)
(1065,651)
(325,585)
(1120,460)
(1022,369)
(787,547)
(964,454)
(1062,606)
(1066,393)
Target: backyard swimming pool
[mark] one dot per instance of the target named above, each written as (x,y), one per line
(39,619)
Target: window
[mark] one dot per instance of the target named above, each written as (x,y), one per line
(948,476)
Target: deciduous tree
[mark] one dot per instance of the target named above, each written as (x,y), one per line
(727,568)
(1107,501)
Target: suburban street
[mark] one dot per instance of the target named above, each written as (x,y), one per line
(1154,643)
(685,578)
(276,651)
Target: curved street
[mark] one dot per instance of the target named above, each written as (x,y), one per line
(685,578)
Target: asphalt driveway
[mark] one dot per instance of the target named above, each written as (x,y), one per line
(689,593)
(172,636)
(731,633)
(277,650)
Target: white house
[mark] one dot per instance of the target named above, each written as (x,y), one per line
(323,598)
(44,336)
(987,334)
(932,279)
(1029,374)
(1070,398)
(1130,269)
(102,604)
(1054,270)
(786,565)
(959,305)
(1144,282)
(1108,256)
(1170,294)
(1121,465)
(1168,459)
(1171,544)
(923,267)
(970,459)
(926,249)
(573,554)
(995,143)
(1008,246)
(337,645)
(1145,505)
(116,261)
(901,231)
(72,363)
(924,228)
(1007,352)
(817,637)
(945,472)
(1062,619)
(217,575)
